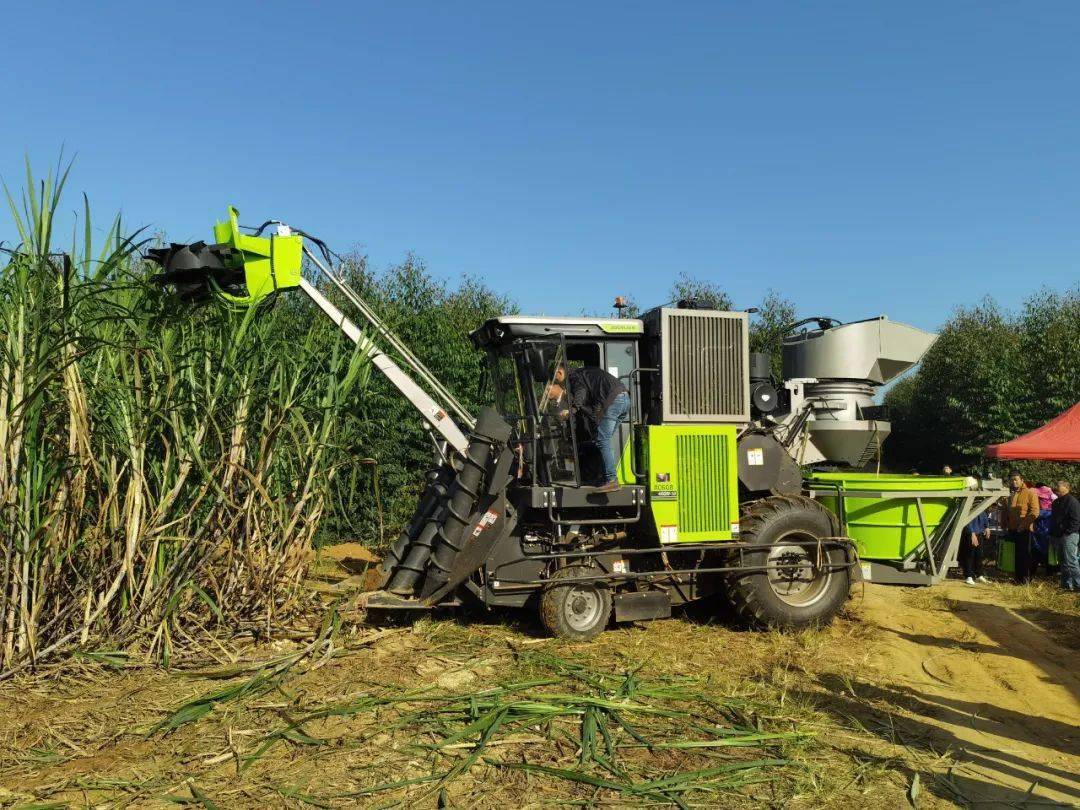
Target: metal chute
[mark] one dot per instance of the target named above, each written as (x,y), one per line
(832,374)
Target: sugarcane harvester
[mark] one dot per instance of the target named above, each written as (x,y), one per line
(712,499)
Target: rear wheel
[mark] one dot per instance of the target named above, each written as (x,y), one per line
(790,589)
(578,611)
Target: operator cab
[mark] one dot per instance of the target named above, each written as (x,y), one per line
(523,353)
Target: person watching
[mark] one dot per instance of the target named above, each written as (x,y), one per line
(971,548)
(1065,530)
(604,400)
(1020,517)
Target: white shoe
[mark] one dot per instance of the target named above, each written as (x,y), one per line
(969,581)
(984,580)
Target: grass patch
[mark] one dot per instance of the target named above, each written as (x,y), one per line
(476,715)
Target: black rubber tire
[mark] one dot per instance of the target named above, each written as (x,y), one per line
(557,605)
(798,520)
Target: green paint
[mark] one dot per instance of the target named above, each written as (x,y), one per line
(889,529)
(693,482)
(621,327)
(270,263)
(625,470)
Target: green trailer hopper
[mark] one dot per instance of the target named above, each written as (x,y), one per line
(907,528)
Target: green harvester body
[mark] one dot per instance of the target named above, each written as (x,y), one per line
(693,482)
(271,264)
(714,491)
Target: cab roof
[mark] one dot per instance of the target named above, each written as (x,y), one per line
(496,331)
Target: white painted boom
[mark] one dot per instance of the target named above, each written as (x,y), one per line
(432,412)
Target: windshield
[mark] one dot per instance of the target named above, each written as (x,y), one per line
(531,395)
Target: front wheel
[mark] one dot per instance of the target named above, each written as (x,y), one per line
(789,589)
(578,611)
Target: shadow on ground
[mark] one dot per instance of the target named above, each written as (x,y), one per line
(854,701)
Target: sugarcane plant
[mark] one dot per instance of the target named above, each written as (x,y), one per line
(162,473)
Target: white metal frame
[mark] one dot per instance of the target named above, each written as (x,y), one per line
(433,412)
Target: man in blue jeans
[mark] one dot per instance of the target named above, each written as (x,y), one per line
(605,400)
(1065,529)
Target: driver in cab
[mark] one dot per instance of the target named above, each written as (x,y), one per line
(603,399)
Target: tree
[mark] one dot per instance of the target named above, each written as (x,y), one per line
(705,294)
(991,376)
(768,327)
(433,319)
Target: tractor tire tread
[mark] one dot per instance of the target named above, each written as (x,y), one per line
(742,591)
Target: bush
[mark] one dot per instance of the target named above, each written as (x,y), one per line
(373,501)
(992,375)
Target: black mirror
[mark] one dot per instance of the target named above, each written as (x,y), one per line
(539,364)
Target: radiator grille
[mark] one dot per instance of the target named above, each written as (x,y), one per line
(702,468)
(705,357)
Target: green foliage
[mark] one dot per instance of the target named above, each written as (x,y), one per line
(164,469)
(706,294)
(991,376)
(434,319)
(768,326)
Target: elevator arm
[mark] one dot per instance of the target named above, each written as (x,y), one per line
(433,413)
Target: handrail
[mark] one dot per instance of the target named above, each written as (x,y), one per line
(411,360)
(430,409)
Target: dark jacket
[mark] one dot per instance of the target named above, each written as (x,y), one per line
(1065,516)
(979,524)
(592,390)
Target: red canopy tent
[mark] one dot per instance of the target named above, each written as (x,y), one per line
(1057,440)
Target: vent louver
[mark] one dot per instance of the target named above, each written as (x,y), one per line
(705,358)
(702,469)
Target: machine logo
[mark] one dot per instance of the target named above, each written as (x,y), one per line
(663,489)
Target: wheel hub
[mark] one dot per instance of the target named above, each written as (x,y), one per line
(793,576)
(582,608)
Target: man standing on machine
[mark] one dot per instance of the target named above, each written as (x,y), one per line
(604,400)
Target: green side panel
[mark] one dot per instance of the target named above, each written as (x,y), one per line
(271,263)
(693,482)
(889,529)
(625,470)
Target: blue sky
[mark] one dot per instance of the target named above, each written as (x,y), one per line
(860,158)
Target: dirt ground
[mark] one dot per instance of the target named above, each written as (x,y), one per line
(943,697)
(980,675)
